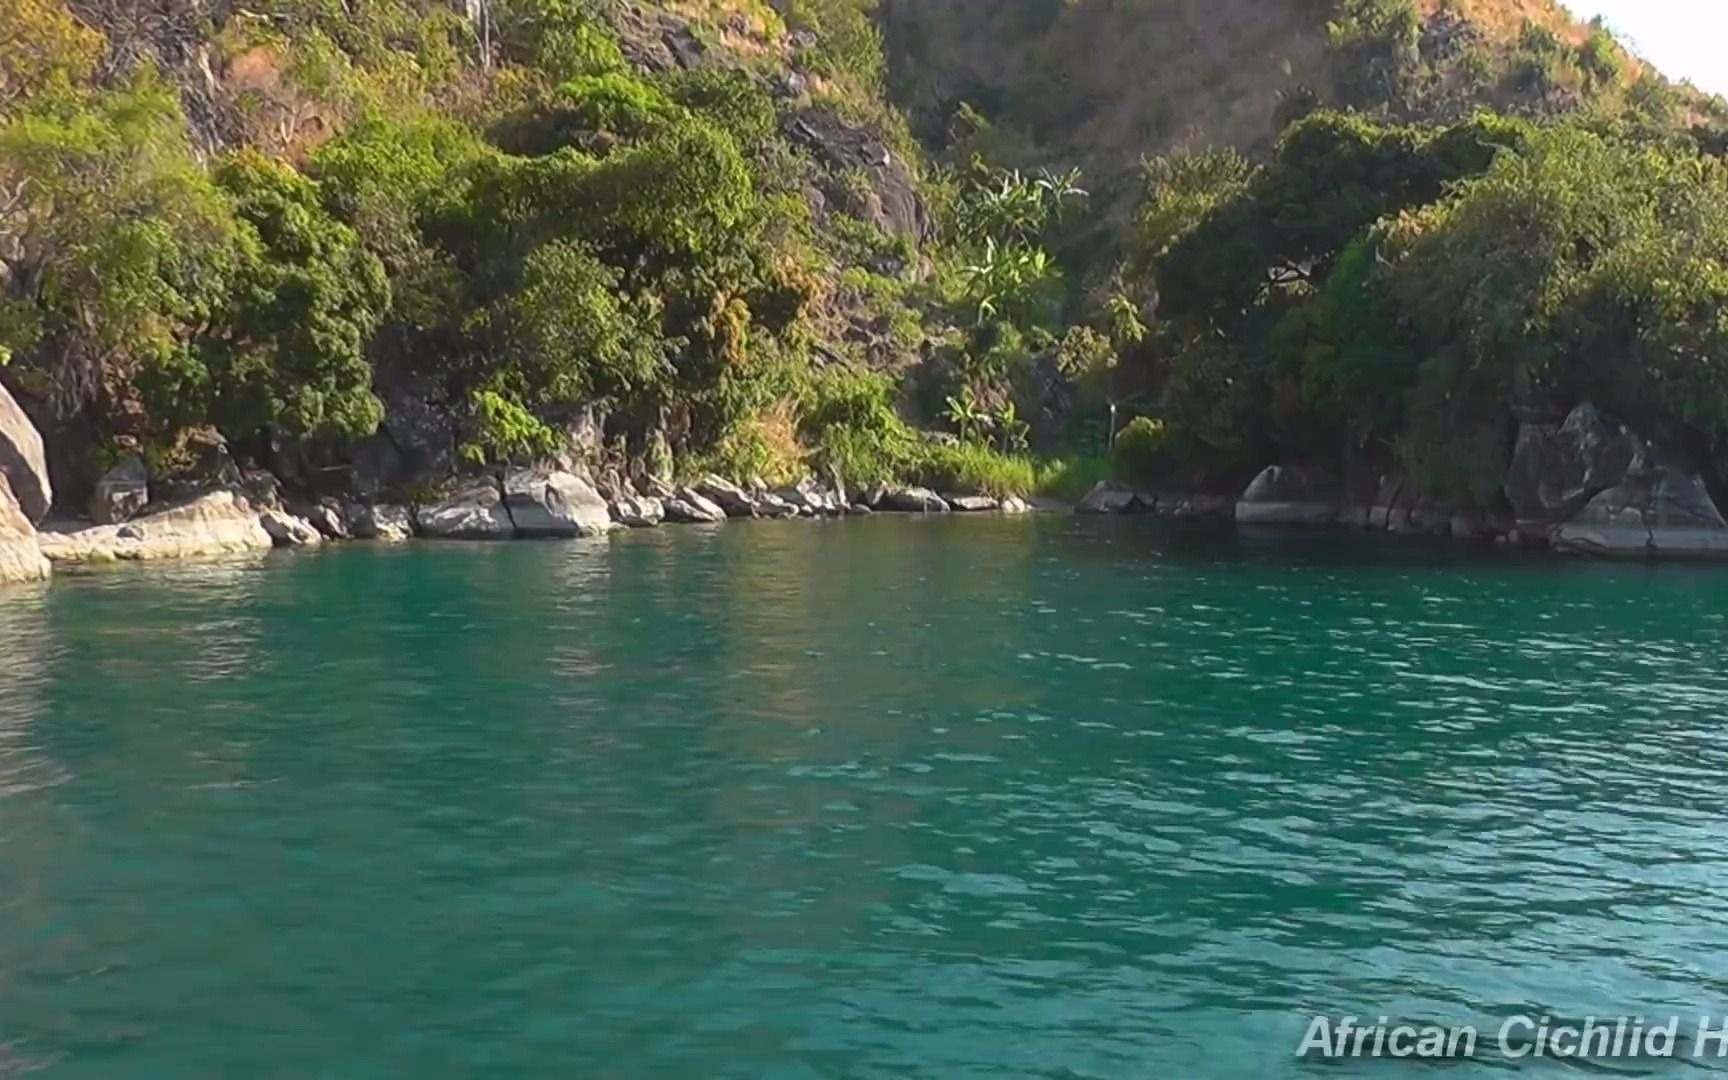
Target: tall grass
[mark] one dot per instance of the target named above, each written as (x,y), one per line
(974,469)
(1070,478)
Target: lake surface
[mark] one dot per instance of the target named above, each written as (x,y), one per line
(881,798)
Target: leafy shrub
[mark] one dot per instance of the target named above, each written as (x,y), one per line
(850,419)
(1599,56)
(1375,48)
(505,431)
(1140,454)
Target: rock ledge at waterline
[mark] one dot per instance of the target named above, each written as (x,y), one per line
(1582,486)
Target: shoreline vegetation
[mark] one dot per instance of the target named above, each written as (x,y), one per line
(301,270)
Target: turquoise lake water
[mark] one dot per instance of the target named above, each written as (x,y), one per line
(883,798)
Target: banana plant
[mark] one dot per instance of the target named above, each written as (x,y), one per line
(969,420)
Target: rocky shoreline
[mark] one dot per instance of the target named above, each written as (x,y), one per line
(1583,486)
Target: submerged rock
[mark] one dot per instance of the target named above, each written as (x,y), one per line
(1014,504)
(475,511)
(21,558)
(286,530)
(122,493)
(215,523)
(551,503)
(23,462)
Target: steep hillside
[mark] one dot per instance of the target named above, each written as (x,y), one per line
(1103,83)
(373,245)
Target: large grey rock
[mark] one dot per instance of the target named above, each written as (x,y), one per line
(691,507)
(21,558)
(22,460)
(912,500)
(728,496)
(286,530)
(327,516)
(1110,497)
(1014,504)
(1285,495)
(638,512)
(474,511)
(1659,508)
(770,505)
(972,504)
(385,522)
(122,493)
(889,197)
(552,503)
(214,523)
(808,498)
(1557,470)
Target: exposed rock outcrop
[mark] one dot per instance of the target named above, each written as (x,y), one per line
(912,500)
(691,507)
(551,503)
(21,558)
(1659,508)
(286,530)
(214,523)
(474,511)
(1286,495)
(1557,470)
(971,504)
(385,522)
(328,517)
(638,511)
(890,198)
(122,493)
(1111,497)
(22,460)
(731,498)
(422,431)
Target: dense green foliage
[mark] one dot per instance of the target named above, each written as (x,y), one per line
(546,214)
(1382,296)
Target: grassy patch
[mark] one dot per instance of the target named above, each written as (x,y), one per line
(973,469)
(1070,478)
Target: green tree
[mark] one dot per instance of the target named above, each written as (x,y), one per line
(114,242)
(288,350)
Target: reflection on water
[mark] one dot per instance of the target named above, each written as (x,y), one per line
(884,798)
